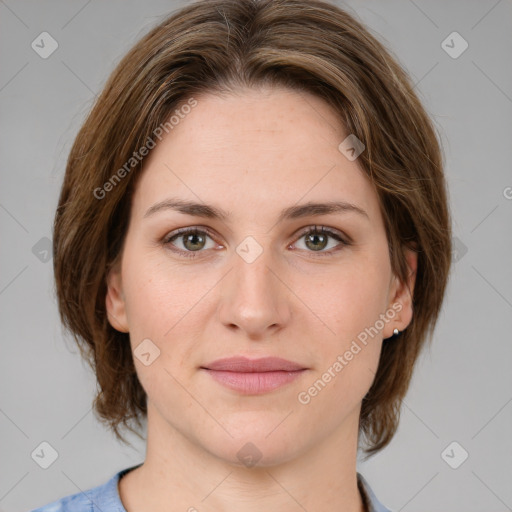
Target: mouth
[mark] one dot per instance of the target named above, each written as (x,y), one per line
(254,376)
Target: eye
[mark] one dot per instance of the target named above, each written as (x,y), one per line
(316,239)
(189,241)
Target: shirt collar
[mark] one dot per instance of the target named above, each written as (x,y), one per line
(371,503)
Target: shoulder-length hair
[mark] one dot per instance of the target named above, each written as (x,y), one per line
(221,46)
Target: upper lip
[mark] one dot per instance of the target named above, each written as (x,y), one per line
(245,365)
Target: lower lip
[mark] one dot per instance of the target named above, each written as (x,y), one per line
(254,383)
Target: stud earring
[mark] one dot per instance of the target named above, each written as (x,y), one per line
(396,332)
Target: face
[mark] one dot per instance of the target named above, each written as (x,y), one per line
(252,272)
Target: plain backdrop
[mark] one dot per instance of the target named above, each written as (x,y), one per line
(462,388)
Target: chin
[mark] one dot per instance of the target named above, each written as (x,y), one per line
(253,447)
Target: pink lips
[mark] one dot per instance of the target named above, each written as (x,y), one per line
(254,376)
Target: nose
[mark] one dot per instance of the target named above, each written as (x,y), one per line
(254,299)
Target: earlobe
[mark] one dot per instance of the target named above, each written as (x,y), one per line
(115,301)
(402,299)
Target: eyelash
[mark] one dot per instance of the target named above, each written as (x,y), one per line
(205,231)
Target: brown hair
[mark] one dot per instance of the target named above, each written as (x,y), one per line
(220,46)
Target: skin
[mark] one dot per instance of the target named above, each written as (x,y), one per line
(253,154)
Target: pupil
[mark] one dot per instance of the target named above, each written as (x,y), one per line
(192,243)
(315,238)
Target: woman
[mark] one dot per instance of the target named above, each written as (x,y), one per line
(251,248)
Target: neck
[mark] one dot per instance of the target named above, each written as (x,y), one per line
(179,471)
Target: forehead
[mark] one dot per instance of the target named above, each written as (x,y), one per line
(269,147)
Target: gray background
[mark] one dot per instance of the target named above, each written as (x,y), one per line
(462,388)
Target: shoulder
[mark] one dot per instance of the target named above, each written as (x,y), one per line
(103,498)
(79,502)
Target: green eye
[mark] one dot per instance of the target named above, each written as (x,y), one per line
(189,241)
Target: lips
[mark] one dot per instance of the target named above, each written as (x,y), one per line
(253,376)
(245,365)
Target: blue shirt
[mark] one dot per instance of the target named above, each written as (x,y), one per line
(105,498)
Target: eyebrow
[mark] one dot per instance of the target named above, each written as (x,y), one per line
(292,212)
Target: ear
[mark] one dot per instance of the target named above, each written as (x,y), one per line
(115,301)
(401,294)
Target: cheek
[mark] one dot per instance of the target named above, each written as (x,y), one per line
(350,302)
(166,305)
(157,295)
(351,296)
(157,302)
(349,356)
(148,306)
